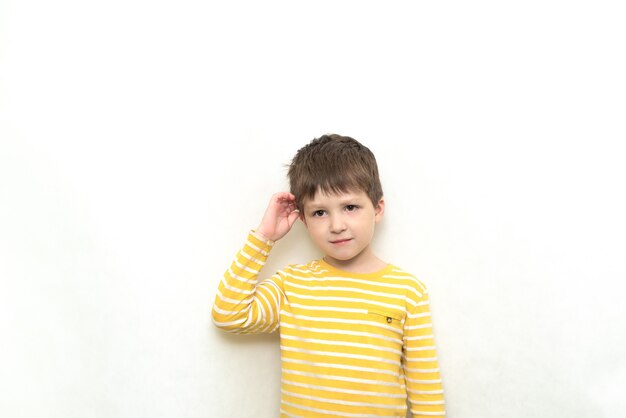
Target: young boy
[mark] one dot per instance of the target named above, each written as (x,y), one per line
(355,332)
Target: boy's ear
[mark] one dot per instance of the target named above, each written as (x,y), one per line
(379,210)
(302,218)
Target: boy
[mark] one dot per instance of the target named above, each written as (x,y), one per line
(355,332)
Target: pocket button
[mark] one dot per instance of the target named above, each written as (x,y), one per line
(389,320)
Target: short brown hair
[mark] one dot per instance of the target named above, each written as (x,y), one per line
(334,164)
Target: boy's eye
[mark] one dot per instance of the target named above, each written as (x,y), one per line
(351,208)
(318,213)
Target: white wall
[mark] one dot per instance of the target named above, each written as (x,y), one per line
(140,140)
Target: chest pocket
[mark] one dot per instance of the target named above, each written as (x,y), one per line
(389,317)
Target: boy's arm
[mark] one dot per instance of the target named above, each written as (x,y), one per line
(421,368)
(242,305)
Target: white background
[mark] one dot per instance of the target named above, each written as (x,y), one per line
(141,140)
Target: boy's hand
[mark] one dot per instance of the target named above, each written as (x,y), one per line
(279,217)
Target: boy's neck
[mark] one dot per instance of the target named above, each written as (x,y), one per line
(368,264)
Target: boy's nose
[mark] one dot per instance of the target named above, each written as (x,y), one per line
(337,224)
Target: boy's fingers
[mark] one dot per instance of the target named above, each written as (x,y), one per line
(285,196)
(287,202)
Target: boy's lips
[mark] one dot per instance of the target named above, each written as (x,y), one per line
(341,241)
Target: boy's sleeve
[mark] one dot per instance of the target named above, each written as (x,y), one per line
(421,368)
(241,305)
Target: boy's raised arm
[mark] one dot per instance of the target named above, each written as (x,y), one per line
(242,304)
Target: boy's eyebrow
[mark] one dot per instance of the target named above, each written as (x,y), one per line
(343,199)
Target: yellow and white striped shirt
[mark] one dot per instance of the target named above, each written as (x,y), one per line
(352,345)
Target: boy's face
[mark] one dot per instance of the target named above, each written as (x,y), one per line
(342,226)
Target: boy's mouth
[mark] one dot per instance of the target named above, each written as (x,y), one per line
(341,241)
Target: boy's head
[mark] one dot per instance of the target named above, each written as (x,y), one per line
(334,164)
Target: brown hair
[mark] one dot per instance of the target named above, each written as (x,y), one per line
(334,164)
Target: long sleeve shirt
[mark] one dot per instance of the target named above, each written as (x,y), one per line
(352,345)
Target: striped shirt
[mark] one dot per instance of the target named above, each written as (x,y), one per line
(352,345)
